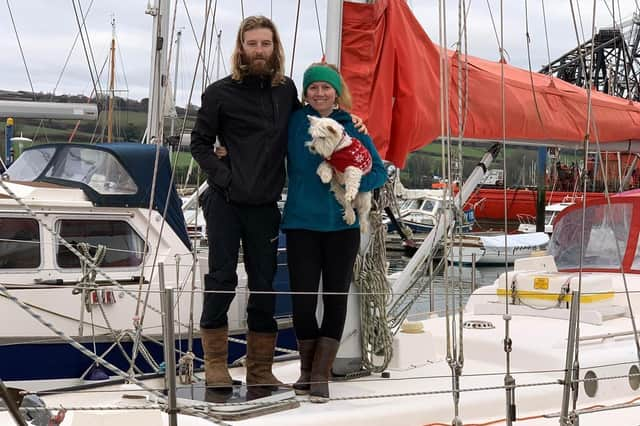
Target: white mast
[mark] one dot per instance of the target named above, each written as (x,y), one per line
(175,80)
(349,357)
(334,31)
(158,80)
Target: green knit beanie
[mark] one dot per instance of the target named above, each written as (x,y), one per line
(321,73)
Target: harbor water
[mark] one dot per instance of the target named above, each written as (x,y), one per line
(458,283)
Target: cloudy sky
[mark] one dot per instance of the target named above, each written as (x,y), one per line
(46,30)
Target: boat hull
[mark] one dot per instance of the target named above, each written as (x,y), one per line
(489,203)
(54,360)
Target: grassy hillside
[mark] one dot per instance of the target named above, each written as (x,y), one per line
(127,126)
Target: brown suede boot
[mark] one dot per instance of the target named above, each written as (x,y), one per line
(325,354)
(216,349)
(307,349)
(260,348)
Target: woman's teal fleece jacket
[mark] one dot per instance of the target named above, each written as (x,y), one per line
(310,204)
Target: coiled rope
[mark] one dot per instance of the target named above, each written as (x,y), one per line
(371,279)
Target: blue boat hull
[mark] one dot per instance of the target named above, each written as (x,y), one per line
(49,361)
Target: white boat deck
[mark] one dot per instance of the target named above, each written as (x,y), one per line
(418,392)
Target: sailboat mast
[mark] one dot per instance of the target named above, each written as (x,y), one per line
(175,80)
(112,79)
(334,31)
(349,357)
(158,80)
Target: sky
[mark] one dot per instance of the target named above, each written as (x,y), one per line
(46,30)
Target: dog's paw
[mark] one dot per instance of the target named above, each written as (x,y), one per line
(325,172)
(325,176)
(349,217)
(350,194)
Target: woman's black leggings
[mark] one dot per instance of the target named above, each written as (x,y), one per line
(312,254)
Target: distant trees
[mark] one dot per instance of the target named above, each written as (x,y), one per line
(418,171)
(422,166)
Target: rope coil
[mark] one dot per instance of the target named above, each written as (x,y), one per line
(371,279)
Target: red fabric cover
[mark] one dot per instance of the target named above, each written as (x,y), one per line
(393,71)
(355,155)
(385,56)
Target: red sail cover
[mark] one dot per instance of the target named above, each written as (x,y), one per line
(393,71)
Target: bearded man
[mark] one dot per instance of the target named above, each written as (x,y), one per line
(248,112)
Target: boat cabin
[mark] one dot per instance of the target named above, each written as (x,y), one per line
(610,238)
(89,195)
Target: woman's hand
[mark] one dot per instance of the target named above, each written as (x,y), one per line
(357,121)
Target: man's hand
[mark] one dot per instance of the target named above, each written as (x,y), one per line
(220,151)
(357,121)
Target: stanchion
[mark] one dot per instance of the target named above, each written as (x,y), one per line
(170,357)
(11,405)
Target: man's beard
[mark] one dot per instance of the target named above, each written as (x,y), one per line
(255,66)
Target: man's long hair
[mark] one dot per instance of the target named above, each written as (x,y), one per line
(239,69)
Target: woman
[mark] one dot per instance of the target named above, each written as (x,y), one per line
(319,242)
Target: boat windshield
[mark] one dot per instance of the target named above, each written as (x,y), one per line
(96,168)
(606,232)
(428,205)
(548,217)
(30,164)
(410,204)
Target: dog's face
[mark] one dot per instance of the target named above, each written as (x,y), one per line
(326,134)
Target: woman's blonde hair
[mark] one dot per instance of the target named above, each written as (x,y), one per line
(344,100)
(239,70)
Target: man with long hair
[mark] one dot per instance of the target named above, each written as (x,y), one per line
(248,112)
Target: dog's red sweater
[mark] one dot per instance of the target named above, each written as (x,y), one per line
(355,155)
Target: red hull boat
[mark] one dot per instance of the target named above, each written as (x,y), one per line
(488,203)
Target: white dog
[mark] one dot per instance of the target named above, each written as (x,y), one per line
(346,160)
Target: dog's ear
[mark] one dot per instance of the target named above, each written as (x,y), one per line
(312,119)
(332,130)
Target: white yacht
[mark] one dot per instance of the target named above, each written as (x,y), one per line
(528,223)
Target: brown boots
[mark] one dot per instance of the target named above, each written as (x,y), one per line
(307,349)
(216,348)
(316,360)
(324,355)
(260,348)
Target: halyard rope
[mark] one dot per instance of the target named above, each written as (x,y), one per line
(371,278)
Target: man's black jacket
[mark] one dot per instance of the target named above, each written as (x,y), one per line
(250,119)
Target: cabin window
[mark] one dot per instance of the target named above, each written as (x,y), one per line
(124,245)
(410,204)
(548,217)
(30,164)
(606,232)
(19,243)
(428,205)
(98,169)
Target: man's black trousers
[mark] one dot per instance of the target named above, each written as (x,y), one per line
(257,227)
